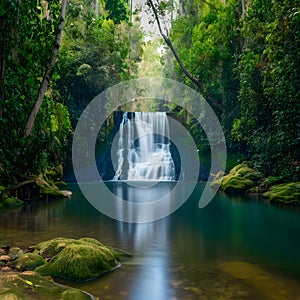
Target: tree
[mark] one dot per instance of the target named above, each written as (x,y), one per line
(28,32)
(47,76)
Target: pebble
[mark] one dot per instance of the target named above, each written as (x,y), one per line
(5,258)
(6,269)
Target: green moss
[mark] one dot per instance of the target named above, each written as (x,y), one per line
(237,184)
(31,285)
(287,193)
(29,261)
(72,294)
(91,241)
(80,262)
(52,247)
(15,252)
(240,179)
(12,202)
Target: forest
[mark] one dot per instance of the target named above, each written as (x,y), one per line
(243,58)
(242,55)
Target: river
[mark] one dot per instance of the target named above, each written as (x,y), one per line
(234,248)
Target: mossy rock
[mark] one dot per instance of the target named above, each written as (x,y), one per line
(80,262)
(91,241)
(240,179)
(286,193)
(31,285)
(29,261)
(49,249)
(237,184)
(12,202)
(73,294)
(15,252)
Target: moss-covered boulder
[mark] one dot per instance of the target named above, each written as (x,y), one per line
(77,260)
(12,202)
(240,179)
(80,262)
(31,285)
(29,261)
(285,193)
(49,249)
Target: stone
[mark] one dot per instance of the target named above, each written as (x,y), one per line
(240,179)
(80,262)
(31,285)
(65,193)
(285,193)
(6,269)
(5,258)
(29,261)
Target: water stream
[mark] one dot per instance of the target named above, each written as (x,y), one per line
(235,248)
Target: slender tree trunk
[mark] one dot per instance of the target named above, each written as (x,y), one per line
(15,33)
(96,8)
(2,61)
(47,75)
(176,55)
(243,9)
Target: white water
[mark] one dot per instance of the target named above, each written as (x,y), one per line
(143,152)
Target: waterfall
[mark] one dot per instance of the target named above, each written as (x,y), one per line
(144,148)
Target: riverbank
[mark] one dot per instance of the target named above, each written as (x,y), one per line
(44,186)
(244,179)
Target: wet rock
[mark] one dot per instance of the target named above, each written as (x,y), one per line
(5,258)
(240,179)
(6,269)
(5,248)
(31,285)
(80,262)
(285,193)
(15,252)
(29,261)
(77,260)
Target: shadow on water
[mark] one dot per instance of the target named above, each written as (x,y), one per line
(191,254)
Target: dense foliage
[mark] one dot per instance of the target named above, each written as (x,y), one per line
(244,53)
(247,59)
(93,56)
(28,32)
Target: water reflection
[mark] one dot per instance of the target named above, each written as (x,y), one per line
(175,257)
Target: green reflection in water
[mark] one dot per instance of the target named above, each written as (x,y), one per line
(181,256)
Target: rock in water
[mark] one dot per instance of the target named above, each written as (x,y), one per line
(76,260)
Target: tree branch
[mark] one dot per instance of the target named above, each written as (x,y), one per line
(176,55)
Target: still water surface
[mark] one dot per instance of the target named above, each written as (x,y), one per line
(235,248)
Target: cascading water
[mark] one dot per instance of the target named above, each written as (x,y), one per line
(144,148)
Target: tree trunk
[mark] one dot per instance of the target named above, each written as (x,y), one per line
(176,55)
(2,61)
(47,75)
(96,8)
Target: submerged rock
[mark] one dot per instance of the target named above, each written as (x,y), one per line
(285,193)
